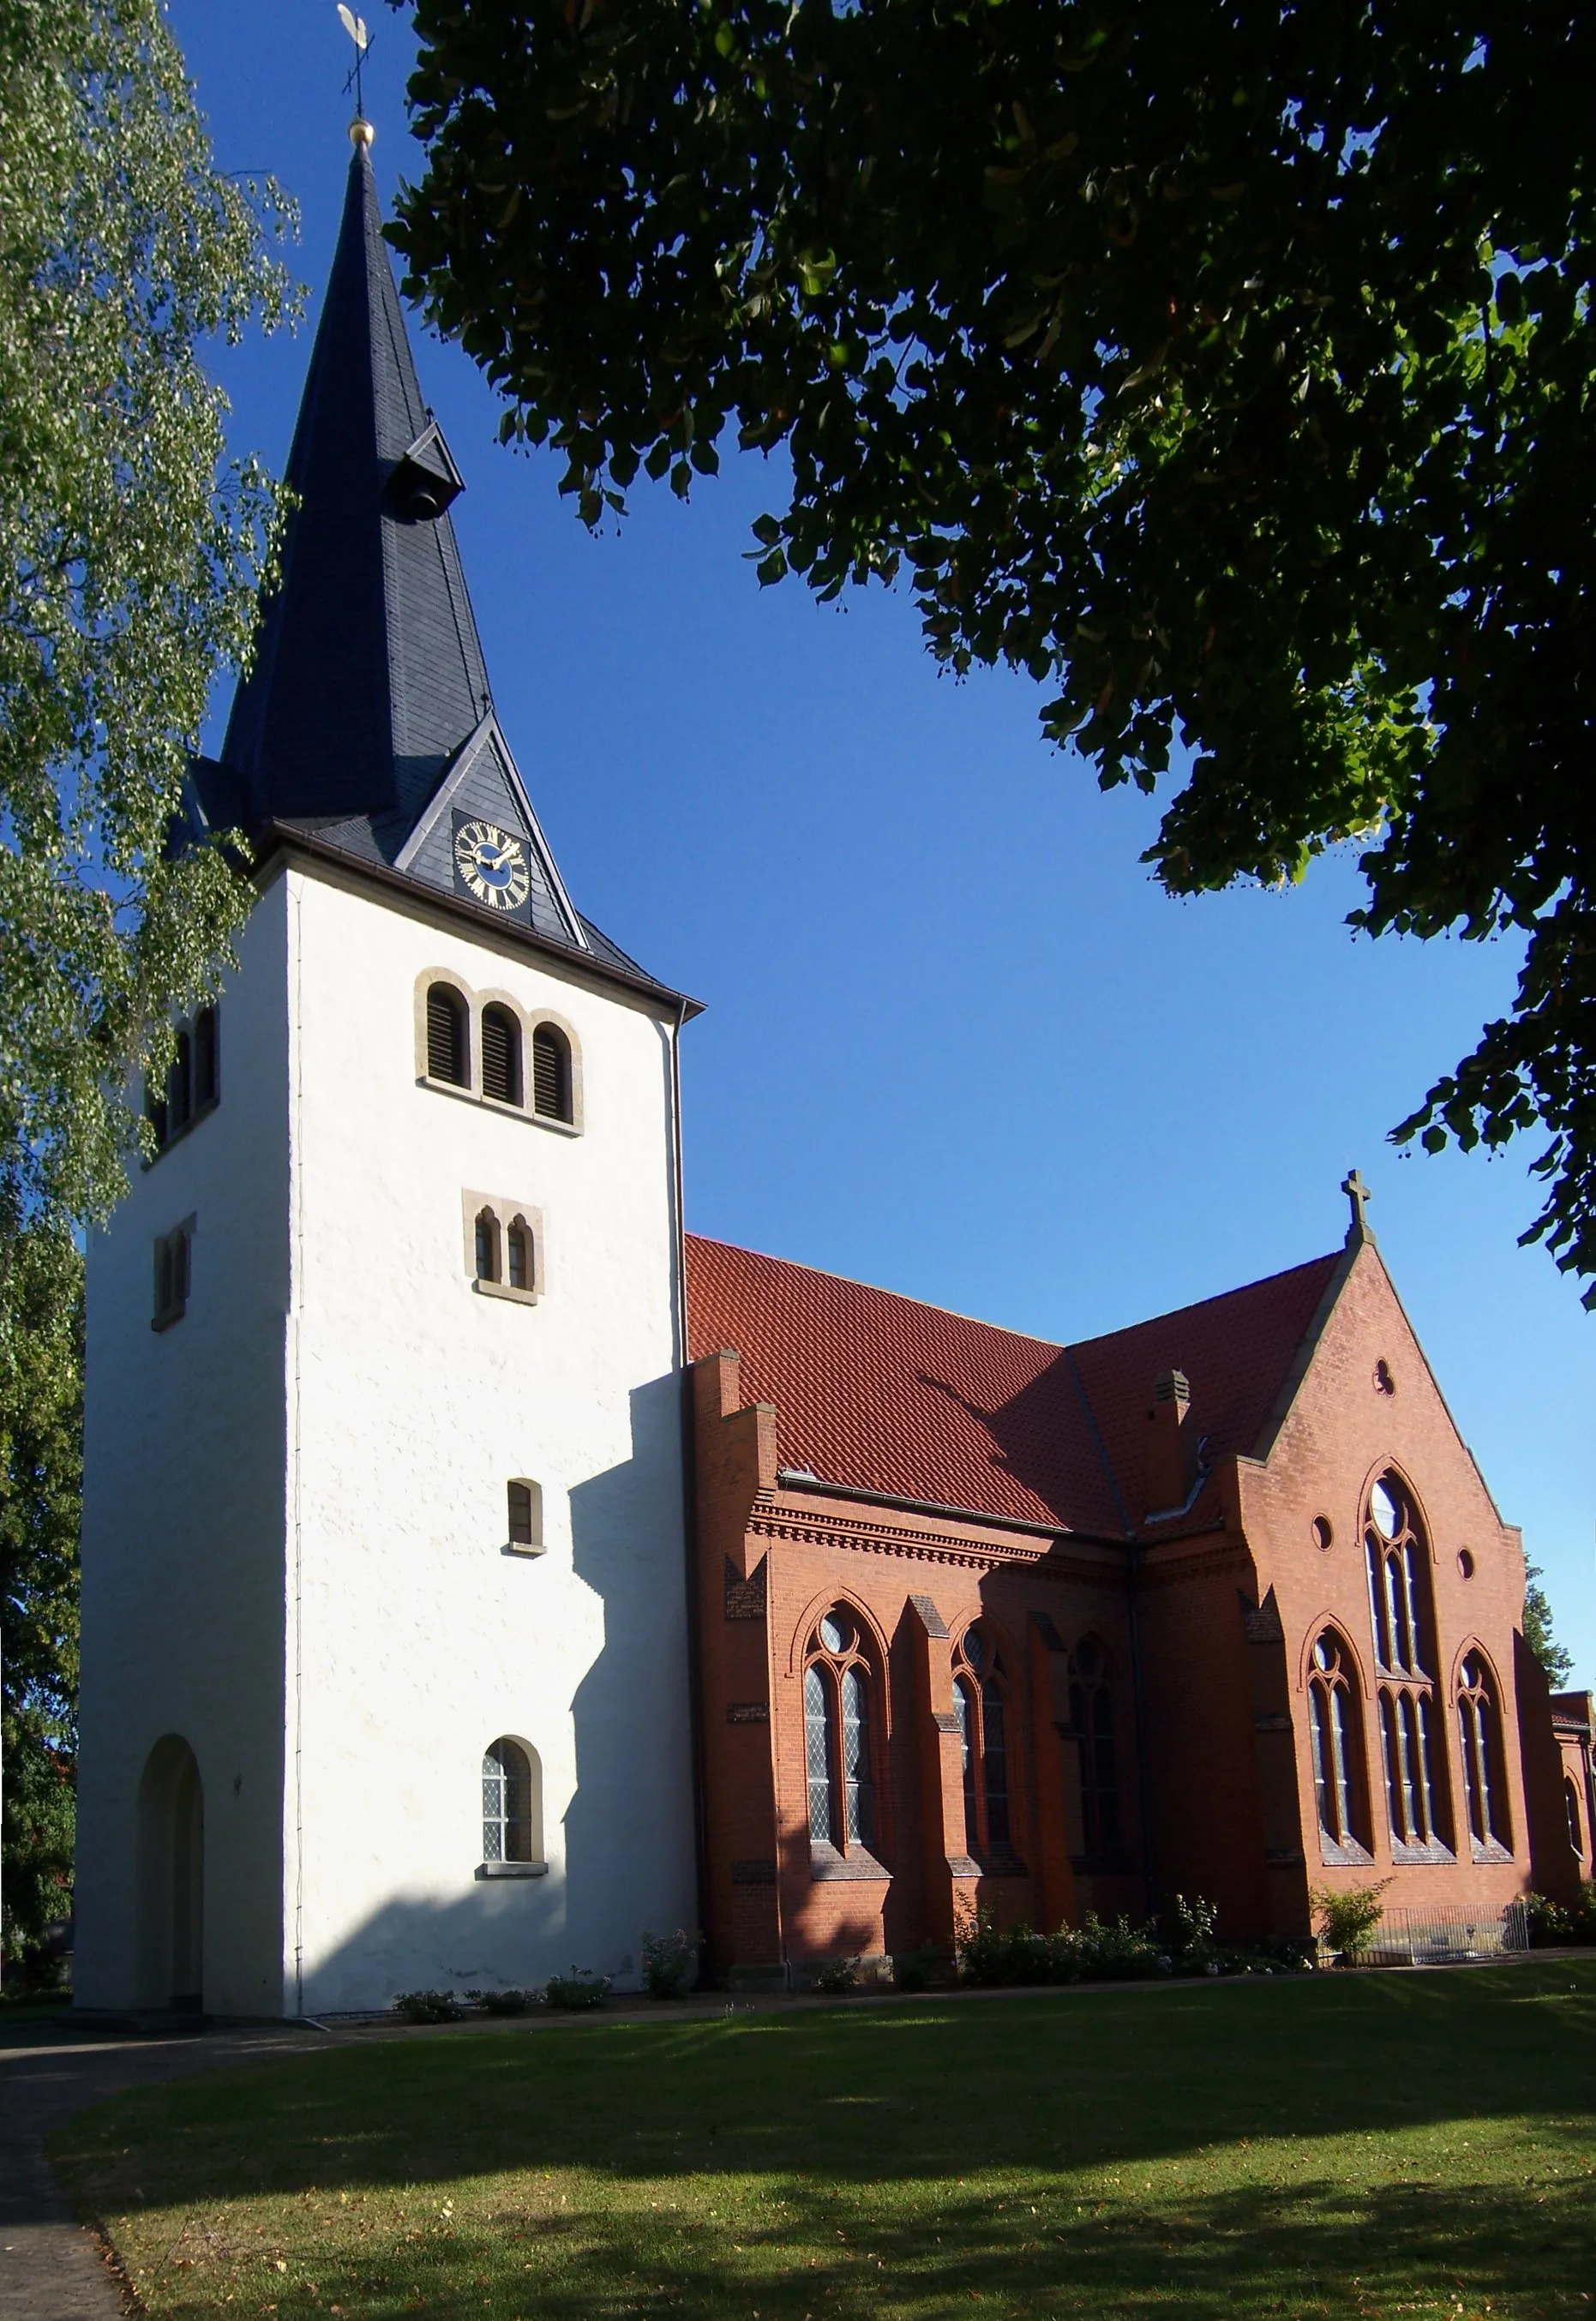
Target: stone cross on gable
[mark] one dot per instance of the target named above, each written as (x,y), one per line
(1357,1193)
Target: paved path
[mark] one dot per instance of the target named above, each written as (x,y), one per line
(50,2268)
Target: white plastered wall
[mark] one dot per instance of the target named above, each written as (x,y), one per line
(413,1639)
(183,1519)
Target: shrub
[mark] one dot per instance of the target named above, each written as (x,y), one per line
(919,1969)
(670,1963)
(503,2002)
(1551,1924)
(581,1987)
(428,2007)
(1192,1927)
(1348,1916)
(1093,1952)
(837,1977)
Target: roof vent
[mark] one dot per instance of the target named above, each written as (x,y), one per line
(426,481)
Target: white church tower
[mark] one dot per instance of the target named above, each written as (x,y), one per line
(385,1662)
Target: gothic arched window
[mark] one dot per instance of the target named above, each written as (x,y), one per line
(980,1690)
(839,1748)
(1410,1738)
(501,1055)
(550,1073)
(489,1266)
(1091,1720)
(1334,1729)
(511,1807)
(448,1036)
(1571,1806)
(1479,1730)
(518,1256)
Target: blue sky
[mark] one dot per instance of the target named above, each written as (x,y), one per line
(957,1043)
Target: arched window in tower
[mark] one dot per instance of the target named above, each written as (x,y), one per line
(205,1076)
(179,1085)
(501,1055)
(1484,1788)
(980,1690)
(488,1267)
(518,1254)
(550,1073)
(1571,1806)
(448,1036)
(1334,1729)
(839,1747)
(511,1814)
(1411,1740)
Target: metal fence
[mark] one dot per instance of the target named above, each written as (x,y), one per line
(1443,1937)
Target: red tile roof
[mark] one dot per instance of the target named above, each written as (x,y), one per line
(885,1394)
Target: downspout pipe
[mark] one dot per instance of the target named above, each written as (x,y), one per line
(689,1507)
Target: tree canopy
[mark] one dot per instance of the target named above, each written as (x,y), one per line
(130,556)
(1227,367)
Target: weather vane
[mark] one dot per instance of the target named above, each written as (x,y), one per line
(355,26)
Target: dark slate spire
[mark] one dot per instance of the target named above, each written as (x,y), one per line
(369,673)
(366,723)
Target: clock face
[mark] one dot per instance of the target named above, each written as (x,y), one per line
(491,865)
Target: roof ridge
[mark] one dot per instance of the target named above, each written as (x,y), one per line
(898,1297)
(1219,1298)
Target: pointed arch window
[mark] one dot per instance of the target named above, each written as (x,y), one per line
(1335,1726)
(1484,1786)
(981,1704)
(488,1250)
(551,1073)
(501,1055)
(1571,1806)
(1399,1607)
(448,1036)
(839,1736)
(1093,1722)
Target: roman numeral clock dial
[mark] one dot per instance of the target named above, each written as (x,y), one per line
(490,865)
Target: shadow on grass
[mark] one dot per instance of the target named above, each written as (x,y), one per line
(1094,2154)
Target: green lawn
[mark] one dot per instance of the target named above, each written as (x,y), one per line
(1372,2144)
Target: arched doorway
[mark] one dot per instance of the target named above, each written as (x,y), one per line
(171,1879)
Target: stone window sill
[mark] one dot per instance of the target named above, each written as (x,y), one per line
(1492,1850)
(503,1289)
(1344,1853)
(512,1869)
(524,1547)
(1434,1853)
(492,1104)
(857,1864)
(173,1314)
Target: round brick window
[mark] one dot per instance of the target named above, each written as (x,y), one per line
(1466,1563)
(1322,1533)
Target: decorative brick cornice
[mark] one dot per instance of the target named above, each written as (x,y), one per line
(767,1520)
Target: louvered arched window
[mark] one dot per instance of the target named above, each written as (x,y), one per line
(551,1073)
(179,1084)
(1335,1734)
(1410,1739)
(501,1055)
(1479,1733)
(448,1036)
(839,1744)
(206,1075)
(980,1705)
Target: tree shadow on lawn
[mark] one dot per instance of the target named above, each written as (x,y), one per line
(1095,2154)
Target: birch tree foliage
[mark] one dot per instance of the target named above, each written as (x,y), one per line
(1227,365)
(130,555)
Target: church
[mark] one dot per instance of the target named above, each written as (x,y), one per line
(479,1571)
